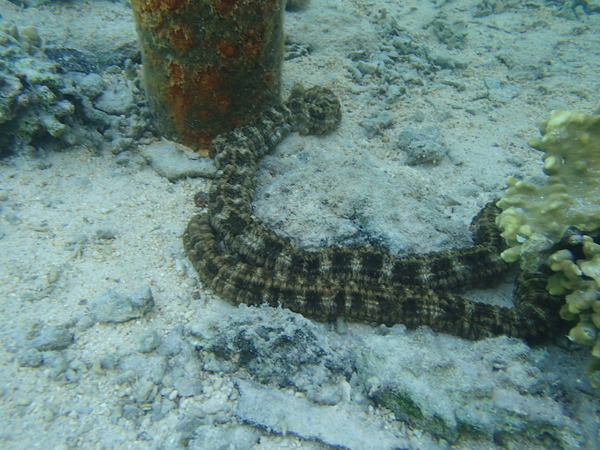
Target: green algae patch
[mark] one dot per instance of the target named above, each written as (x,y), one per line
(406,409)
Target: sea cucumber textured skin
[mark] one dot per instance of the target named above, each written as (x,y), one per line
(245,262)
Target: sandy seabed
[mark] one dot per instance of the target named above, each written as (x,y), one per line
(84,227)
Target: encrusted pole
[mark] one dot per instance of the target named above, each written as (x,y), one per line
(209,65)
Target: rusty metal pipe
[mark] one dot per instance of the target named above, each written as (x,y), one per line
(209,65)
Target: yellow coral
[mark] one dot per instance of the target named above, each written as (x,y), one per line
(535,218)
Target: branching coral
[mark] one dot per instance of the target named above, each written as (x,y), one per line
(535,219)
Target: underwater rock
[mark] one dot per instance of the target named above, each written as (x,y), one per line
(283,412)
(488,7)
(49,104)
(487,388)
(296,49)
(57,364)
(453,34)
(148,341)
(422,146)
(30,104)
(114,307)
(30,3)
(175,161)
(30,358)
(286,350)
(402,62)
(591,6)
(186,387)
(377,123)
(52,338)
(117,99)
(72,60)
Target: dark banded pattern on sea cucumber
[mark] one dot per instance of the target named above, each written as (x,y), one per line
(245,262)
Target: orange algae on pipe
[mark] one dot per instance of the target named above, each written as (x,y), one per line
(209,66)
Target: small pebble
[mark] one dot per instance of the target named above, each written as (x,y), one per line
(422,146)
(188,387)
(378,122)
(367,68)
(78,366)
(148,341)
(52,338)
(174,161)
(132,413)
(48,415)
(187,427)
(145,392)
(328,394)
(115,307)
(106,234)
(180,268)
(71,376)
(57,363)
(109,362)
(30,358)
